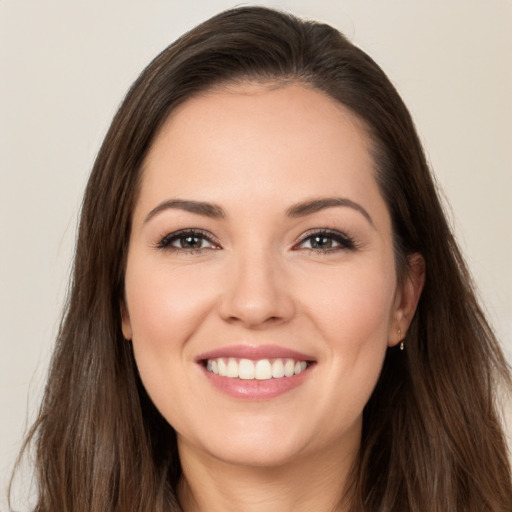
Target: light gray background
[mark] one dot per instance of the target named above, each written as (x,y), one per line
(65,66)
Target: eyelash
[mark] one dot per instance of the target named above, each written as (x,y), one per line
(167,240)
(345,242)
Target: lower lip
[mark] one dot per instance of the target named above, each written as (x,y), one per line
(256,389)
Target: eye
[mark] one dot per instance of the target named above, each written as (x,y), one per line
(326,240)
(187,240)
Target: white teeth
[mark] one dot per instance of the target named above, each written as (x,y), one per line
(300,366)
(246,369)
(262,369)
(232,369)
(222,367)
(277,369)
(289,367)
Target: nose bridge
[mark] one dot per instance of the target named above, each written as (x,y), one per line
(256,292)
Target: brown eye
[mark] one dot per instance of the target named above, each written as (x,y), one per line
(326,241)
(188,241)
(321,242)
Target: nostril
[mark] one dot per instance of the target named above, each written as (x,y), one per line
(256,305)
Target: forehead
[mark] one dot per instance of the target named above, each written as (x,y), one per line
(276,142)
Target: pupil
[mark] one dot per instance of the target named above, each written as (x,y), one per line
(322,242)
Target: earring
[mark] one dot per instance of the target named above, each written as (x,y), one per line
(401,341)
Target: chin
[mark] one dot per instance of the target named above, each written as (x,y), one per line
(256,454)
(258,442)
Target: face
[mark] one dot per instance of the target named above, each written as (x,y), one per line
(261,290)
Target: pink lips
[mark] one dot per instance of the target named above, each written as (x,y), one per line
(255,389)
(255,352)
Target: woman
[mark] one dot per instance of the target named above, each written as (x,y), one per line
(268,309)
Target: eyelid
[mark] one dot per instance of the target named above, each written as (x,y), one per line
(166,240)
(345,241)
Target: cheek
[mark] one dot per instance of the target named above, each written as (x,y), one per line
(353,305)
(353,312)
(164,304)
(165,307)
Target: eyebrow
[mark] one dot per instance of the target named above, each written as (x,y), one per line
(302,209)
(199,207)
(308,207)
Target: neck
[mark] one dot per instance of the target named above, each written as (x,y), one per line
(312,482)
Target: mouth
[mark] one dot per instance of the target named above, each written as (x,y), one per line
(260,369)
(256,372)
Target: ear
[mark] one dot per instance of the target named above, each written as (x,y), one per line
(126,325)
(406,299)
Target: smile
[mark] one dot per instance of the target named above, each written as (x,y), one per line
(256,372)
(261,369)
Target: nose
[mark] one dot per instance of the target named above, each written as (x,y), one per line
(257,292)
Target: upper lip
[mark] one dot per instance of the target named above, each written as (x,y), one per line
(255,352)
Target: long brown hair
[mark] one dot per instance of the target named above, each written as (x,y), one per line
(432,438)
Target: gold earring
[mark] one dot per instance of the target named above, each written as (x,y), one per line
(399,337)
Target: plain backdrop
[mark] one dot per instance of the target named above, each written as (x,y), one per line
(65,66)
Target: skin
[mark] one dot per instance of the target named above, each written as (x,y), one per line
(255,150)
